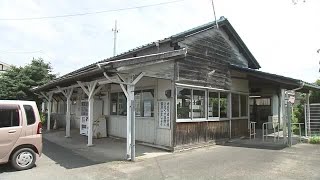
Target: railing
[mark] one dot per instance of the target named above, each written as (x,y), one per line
(265,130)
(299,124)
(252,129)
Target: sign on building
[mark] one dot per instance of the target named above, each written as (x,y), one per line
(164,114)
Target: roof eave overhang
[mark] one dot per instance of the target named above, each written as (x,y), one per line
(111,67)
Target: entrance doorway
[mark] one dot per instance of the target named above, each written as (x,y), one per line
(260,110)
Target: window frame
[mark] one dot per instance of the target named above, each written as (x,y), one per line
(207,92)
(19,115)
(141,91)
(247,105)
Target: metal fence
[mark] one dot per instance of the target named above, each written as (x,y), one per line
(312,116)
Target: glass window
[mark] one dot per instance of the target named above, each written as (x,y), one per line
(137,100)
(148,103)
(9,116)
(122,104)
(31,118)
(183,103)
(244,105)
(223,105)
(213,104)
(235,105)
(113,103)
(198,105)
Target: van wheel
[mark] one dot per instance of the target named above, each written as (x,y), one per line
(23,159)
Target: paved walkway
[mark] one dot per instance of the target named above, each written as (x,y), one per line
(302,161)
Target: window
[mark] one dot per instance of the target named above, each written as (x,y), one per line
(148,103)
(122,104)
(213,104)
(235,105)
(183,103)
(244,105)
(223,105)
(1,67)
(144,103)
(9,116)
(239,105)
(31,118)
(113,103)
(198,105)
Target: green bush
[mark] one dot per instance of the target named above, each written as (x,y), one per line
(314,140)
(42,118)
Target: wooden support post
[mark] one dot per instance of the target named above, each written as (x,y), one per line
(308,114)
(90,91)
(43,106)
(49,100)
(230,114)
(67,93)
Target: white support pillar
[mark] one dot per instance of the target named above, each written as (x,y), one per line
(129,93)
(90,91)
(67,93)
(90,121)
(129,114)
(49,101)
(308,115)
(43,106)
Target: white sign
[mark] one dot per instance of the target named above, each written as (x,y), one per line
(292,99)
(164,114)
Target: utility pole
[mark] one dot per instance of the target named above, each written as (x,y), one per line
(115,31)
(214,13)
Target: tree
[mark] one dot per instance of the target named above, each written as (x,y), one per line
(16,82)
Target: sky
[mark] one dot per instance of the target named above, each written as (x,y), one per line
(283,36)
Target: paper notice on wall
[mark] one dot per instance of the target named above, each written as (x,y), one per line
(147,108)
(164,114)
(114,107)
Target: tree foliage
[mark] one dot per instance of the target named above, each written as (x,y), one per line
(16,82)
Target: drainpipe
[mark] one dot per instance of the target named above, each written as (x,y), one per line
(289,113)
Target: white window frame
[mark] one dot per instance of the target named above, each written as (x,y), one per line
(207,91)
(247,96)
(136,90)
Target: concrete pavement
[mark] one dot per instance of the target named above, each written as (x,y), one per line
(302,161)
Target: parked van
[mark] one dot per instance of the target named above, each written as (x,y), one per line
(20,133)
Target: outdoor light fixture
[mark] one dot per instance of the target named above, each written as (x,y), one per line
(254,96)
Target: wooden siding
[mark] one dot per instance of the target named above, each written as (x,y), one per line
(207,51)
(199,132)
(239,127)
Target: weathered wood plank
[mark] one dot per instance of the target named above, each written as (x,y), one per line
(198,132)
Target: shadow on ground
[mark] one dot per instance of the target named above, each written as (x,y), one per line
(258,143)
(66,157)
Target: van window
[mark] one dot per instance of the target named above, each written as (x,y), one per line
(31,119)
(9,116)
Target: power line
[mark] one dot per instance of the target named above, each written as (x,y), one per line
(89,13)
(21,52)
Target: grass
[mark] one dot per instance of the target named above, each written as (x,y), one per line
(314,140)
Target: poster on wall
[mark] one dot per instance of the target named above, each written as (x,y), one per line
(147,108)
(164,114)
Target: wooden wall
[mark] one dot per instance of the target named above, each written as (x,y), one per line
(199,132)
(207,51)
(239,127)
